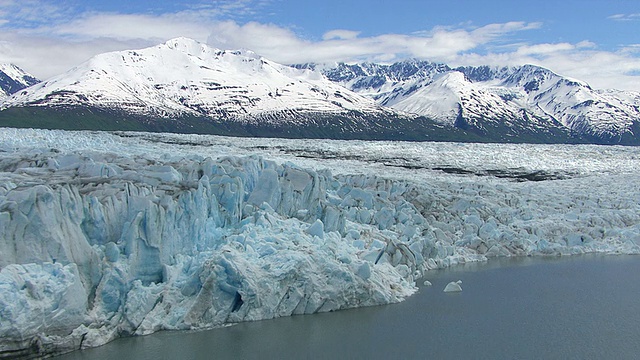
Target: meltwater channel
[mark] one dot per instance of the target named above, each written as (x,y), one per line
(579,307)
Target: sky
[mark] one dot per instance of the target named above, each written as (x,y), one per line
(597,41)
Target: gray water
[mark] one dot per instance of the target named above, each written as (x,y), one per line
(585,307)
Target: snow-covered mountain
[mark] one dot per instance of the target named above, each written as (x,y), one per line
(183,85)
(513,101)
(183,76)
(14,79)
(186,86)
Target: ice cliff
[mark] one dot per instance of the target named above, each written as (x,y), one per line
(96,247)
(98,244)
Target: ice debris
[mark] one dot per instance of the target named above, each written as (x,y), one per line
(454,286)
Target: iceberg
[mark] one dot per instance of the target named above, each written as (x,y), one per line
(109,235)
(454,286)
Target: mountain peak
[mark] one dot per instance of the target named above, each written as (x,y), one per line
(195,48)
(189,46)
(184,77)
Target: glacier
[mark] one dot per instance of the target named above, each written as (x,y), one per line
(104,235)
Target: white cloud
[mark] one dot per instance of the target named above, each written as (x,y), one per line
(33,13)
(584,44)
(625,17)
(45,57)
(492,31)
(340,34)
(47,48)
(581,60)
(542,49)
(135,26)
(631,49)
(600,69)
(283,45)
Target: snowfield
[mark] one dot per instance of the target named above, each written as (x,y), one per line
(105,235)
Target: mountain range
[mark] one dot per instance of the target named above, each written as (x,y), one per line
(186,86)
(512,101)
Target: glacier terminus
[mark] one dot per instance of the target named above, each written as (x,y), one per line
(104,235)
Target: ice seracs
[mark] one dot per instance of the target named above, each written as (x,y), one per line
(119,245)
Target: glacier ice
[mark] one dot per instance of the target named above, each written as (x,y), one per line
(107,235)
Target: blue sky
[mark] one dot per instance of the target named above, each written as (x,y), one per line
(592,40)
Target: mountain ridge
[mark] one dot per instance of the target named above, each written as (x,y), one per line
(187,77)
(483,96)
(186,86)
(14,79)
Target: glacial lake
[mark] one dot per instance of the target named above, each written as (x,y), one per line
(581,307)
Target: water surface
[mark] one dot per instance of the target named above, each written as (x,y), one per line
(581,307)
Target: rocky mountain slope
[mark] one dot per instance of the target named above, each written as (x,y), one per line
(14,79)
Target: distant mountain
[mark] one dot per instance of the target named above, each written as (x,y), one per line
(14,79)
(526,103)
(186,86)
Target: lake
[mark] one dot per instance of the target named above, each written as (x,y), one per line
(528,308)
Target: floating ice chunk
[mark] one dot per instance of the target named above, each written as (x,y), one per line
(453,286)
(427,283)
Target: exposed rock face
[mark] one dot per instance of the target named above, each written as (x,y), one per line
(14,79)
